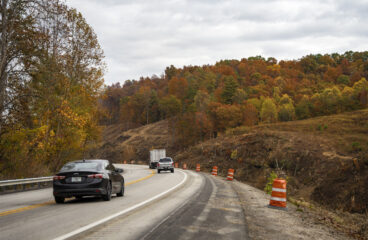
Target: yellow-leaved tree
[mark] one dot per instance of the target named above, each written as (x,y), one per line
(58,121)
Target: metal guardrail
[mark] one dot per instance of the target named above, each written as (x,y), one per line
(13,185)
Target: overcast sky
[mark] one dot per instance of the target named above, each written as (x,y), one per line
(142,37)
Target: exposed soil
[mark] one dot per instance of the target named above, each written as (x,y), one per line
(325,161)
(296,222)
(133,145)
(316,175)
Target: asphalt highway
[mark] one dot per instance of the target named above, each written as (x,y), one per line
(180,205)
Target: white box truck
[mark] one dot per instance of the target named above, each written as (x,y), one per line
(155,156)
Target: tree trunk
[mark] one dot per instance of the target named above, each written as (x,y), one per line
(3,60)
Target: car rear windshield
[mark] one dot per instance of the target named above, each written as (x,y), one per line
(165,160)
(81,166)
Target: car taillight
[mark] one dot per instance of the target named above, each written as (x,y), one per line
(158,164)
(59,177)
(95,176)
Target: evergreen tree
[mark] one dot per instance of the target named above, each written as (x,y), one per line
(343,79)
(229,90)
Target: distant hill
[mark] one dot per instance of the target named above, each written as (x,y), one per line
(203,101)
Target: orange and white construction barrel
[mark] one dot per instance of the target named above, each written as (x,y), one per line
(278,195)
(125,162)
(230,174)
(184,166)
(176,165)
(214,171)
(198,167)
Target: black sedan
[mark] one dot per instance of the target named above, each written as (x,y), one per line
(88,178)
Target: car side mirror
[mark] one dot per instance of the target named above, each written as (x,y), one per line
(119,170)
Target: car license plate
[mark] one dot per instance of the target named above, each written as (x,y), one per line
(76,179)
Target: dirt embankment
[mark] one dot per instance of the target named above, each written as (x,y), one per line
(132,145)
(325,161)
(313,168)
(315,173)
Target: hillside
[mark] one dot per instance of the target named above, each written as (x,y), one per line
(207,100)
(324,159)
(132,145)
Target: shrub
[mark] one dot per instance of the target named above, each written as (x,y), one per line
(321,127)
(270,179)
(343,79)
(356,146)
(234,154)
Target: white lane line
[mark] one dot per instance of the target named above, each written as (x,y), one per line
(92,225)
(177,208)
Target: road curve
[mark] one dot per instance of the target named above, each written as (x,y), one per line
(215,212)
(34,214)
(183,205)
(205,207)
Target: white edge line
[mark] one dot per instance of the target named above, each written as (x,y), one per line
(172,213)
(92,225)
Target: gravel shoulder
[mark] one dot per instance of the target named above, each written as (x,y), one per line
(268,223)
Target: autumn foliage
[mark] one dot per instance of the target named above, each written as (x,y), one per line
(203,101)
(51,76)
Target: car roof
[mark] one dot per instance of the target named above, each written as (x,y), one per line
(89,160)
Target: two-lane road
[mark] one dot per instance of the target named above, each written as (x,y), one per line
(183,205)
(35,215)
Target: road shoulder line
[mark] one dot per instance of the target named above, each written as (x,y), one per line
(176,211)
(33,206)
(106,219)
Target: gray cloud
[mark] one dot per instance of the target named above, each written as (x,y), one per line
(142,37)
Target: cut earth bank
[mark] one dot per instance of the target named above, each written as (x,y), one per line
(324,159)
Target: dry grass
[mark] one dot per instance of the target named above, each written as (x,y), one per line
(346,132)
(324,158)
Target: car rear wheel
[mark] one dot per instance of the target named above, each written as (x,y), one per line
(107,196)
(121,193)
(59,199)
(158,171)
(172,170)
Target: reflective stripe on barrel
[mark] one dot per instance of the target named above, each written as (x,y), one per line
(278,195)
(214,171)
(230,174)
